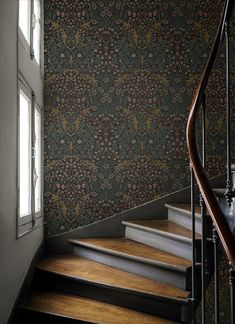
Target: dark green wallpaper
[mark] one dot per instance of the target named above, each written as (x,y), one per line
(119,78)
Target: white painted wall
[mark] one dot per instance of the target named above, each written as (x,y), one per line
(15,255)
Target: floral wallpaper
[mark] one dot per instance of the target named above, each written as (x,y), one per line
(119,79)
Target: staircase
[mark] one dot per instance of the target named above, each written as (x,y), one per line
(144,277)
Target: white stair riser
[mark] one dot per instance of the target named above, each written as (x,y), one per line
(151,271)
(184,220)
(165,243)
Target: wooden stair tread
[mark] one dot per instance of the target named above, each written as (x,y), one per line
(166,226)
(88,310)
(84,269)
(131,249)
(186,208)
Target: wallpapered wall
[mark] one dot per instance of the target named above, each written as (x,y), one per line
(119,78)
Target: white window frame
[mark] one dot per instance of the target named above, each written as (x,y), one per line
(30,79)
(30,221)
(29,46)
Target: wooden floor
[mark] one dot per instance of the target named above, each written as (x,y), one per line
(131,248)
(166,226)
(89,310)
(84,269)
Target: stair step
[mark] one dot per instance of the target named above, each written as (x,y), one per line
(227,210)
(88,270)
(83,277)
(64,307)
(137,258)
(220,192)
(165,235)
(181,214)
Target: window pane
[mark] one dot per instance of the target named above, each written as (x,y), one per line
(25,155)
(37,173)
(37,30)
(24,18)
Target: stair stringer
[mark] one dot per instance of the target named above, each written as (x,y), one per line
(112,226)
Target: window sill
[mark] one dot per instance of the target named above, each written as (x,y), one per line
(28,227)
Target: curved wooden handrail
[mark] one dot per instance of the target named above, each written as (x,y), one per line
(214,210)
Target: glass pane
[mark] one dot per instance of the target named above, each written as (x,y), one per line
(24,18)
(25,155)
(37,30)
(37,172)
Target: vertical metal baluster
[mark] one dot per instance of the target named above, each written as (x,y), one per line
(229,192)
(203,258)
(193,298)
(216,273)
(203,214)
(232,293)
(32,24)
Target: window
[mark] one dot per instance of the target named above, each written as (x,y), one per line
(24,153)
(29,160)
(30,116)
(37,159)
(24,18)
(36,25)
(30,17)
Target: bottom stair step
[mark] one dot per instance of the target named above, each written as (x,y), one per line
(79,276)
(68,309)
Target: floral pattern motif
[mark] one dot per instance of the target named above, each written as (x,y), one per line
(119,78)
